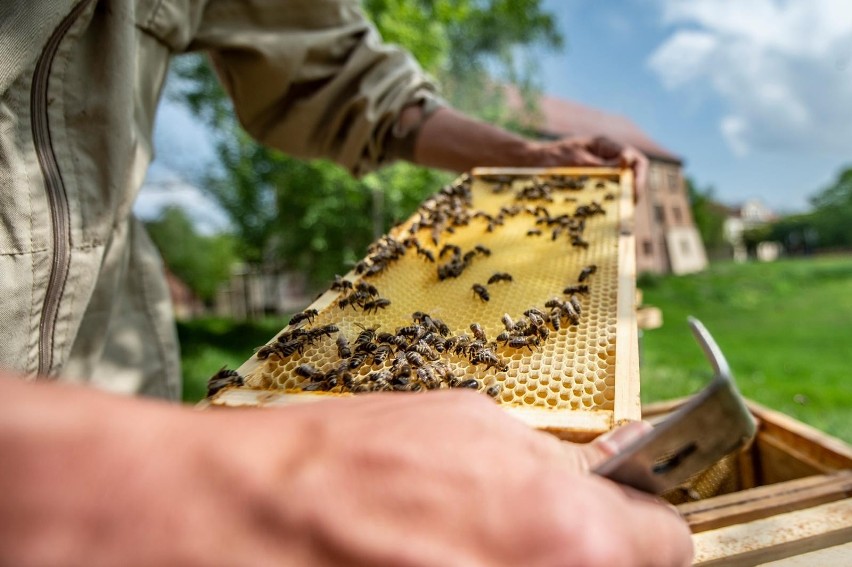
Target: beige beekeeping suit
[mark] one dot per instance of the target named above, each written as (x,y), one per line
(83,293)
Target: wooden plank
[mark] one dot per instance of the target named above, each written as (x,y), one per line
(648,318)
(764,501)
(626,404)
(610,172)
(577,426)
(809,443)
(780,462)
(837,556)
(776,537)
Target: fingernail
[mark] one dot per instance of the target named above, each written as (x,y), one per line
(620,438)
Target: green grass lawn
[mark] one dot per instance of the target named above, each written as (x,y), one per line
(785,328)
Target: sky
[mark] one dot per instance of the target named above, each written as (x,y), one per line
(755,96)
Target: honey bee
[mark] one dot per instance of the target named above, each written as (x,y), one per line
(289,348)
(580,288)
(500,277)
(400,383)
(415,359)
(472,383)
(381,380)
(367,335)
(410,331)
(455,250)
(356,360)
(480,291)
(384,338)
(399,341)
(478,332)
(525,342)
(341,284)
(326,330)
(265,352)
(402,370)
(442,327)
(375,305)
(422,349)
(380,355)
(306,315)
(575,303)
(534,232)
(309,372)
(569,311)
(427,254)
(578,242)
(609,197)
(348,380)
(556,319)
(427,378)
(488,358)
(366,288)
(494,390)
(222,379)
(368,348)
(586,272)
(535,316)
(507,322)
(479,248)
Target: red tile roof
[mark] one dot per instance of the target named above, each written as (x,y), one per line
(559,117)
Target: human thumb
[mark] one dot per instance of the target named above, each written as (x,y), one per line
(612,443)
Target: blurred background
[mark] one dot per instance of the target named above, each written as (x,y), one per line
(741,107)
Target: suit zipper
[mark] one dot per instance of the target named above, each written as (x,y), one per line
(55,189)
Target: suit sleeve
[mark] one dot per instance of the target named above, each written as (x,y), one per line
(313,78)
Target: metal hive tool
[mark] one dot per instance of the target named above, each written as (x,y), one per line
(580,381)
(713,424)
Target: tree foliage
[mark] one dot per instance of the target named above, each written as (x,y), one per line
(313,216)
(833,212)
(202,262)
(708,216)
(826,226)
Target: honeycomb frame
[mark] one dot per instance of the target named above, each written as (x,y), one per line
(581,381)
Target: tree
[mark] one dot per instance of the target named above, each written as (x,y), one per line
(313,215)
(826,226)
(709,217)
(832,215)
(202,262)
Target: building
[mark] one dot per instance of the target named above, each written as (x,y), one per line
(666,238)
(752,214)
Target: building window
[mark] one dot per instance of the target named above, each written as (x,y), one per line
(659,213)
(672,179)
(656,178)
(647,247)
(676,213)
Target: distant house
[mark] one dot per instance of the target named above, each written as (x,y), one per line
(752,214)
(666,238)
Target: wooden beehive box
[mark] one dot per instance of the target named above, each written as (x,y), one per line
(786,501)
(547,229)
